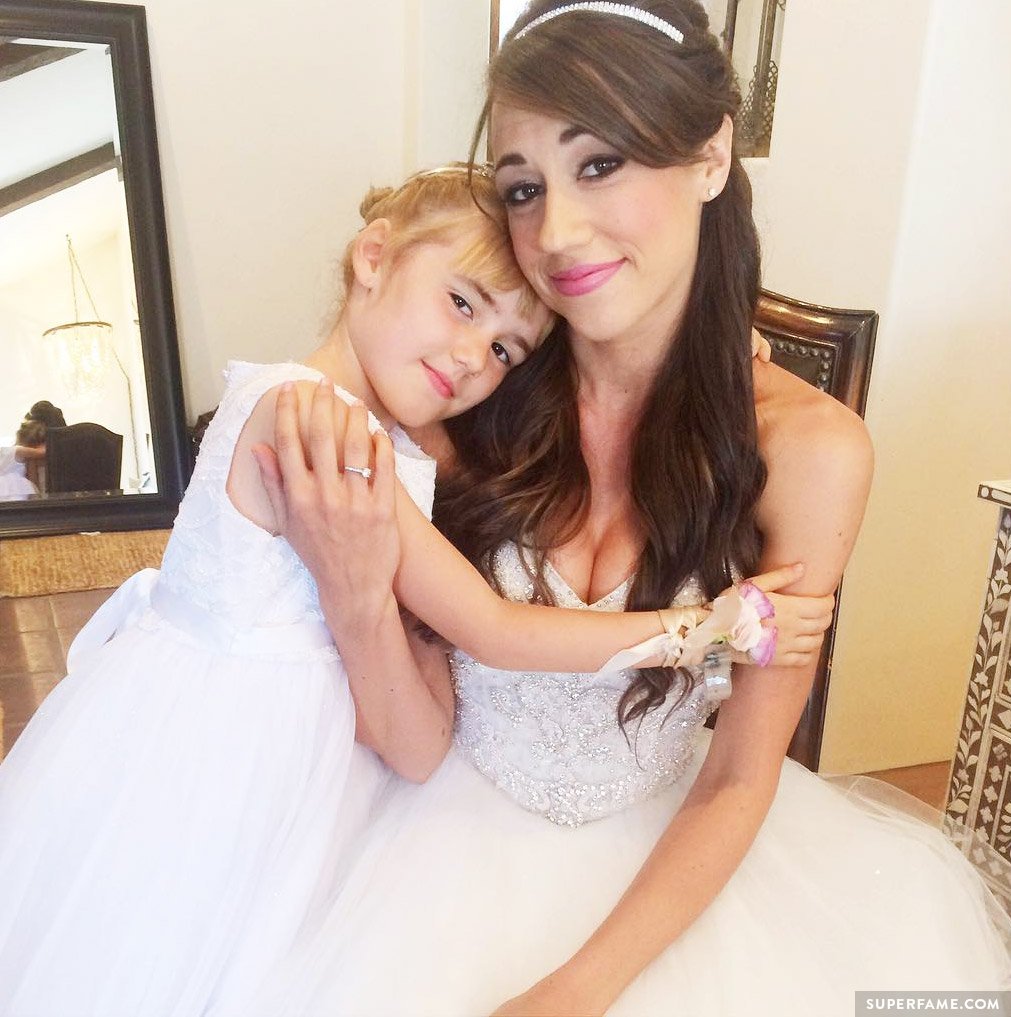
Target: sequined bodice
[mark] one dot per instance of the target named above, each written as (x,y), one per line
(227,565)
(552,741)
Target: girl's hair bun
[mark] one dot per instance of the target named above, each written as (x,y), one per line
(375,196)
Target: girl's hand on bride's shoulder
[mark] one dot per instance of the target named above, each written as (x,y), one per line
(800,622)
(761,348)
(340,521)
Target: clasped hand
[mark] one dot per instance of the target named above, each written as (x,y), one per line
(800,621)
(341,524)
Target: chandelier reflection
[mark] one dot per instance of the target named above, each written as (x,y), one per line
(81,354)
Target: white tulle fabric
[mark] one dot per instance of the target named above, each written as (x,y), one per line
(469,889)
(171,812)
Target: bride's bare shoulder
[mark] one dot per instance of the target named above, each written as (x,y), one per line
(800,427)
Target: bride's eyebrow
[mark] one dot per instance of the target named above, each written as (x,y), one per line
(515,159)
(571,133)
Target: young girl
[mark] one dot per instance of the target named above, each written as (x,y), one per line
(170,812)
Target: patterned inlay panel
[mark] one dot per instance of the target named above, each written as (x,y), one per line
(978,810)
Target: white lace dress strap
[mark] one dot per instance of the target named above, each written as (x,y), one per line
(248,382)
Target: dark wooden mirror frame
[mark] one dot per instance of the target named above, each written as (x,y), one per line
(122,27)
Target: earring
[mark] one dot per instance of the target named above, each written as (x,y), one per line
(711,193)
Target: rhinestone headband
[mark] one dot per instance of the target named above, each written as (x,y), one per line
(454,169)
(619,10)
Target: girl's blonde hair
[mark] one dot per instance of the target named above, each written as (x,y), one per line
(438,207)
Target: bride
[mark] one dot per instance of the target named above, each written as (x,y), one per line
(587,846)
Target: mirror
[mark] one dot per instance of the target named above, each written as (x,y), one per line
(86,313)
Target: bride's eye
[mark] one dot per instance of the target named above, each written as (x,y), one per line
(501,354)
(461,305)
(521,193)
(601,166)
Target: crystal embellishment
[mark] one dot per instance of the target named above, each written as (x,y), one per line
(551,741)
(618,10)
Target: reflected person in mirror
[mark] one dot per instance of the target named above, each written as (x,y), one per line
(22,466)
(17,460)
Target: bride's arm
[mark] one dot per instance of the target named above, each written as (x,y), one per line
(711,833)
(399,681)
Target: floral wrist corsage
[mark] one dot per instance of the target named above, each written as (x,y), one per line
(690,634)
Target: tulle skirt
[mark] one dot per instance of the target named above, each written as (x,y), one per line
(167,821)
(458,900)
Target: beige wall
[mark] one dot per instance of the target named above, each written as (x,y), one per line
(885,189)
(272,124)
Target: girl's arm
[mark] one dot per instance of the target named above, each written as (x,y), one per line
(434,581)
(25,453)
(722,813)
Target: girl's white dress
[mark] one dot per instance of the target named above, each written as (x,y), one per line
(467,890)
(170,813)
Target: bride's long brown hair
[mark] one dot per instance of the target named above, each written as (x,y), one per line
(696,472)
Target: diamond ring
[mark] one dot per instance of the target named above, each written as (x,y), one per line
(362,471)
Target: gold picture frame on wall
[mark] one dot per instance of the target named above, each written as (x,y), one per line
(503,15)
(756,61)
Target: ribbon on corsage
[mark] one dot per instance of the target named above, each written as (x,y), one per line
(734,618)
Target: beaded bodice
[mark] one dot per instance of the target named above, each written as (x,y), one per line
(552,741)
(225,564)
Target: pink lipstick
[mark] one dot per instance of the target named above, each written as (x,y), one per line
(439,382)
(582,279)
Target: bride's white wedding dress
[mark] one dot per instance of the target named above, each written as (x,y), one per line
(468,889)
(167,817)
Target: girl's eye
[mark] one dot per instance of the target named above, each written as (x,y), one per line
(520,194)
(461,304)
(601,166)
(501,353)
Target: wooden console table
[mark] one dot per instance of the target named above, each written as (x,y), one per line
(979,793)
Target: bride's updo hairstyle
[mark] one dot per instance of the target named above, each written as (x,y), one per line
(438,206)
(696,471)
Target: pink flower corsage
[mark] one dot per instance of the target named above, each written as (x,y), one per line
(735,619)
(763,648)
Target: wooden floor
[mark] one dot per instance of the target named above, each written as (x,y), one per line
(36,631)
(34,635)
(928,782)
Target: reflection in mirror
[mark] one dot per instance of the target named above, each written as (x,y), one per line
(64,259)
(86,314)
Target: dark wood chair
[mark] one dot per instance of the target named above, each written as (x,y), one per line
(832,349)
(83,457)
